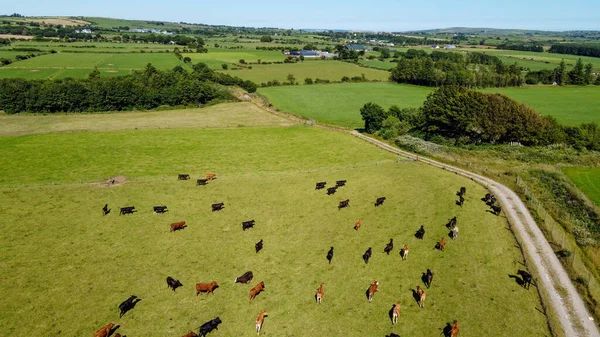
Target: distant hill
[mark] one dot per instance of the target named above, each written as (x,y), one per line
(494,31)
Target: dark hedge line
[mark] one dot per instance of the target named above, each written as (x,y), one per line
(141,90)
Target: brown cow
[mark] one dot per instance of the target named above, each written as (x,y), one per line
(396,313)
(422,296)
(357,225)
(177,226)
(442,244)
(320,294)
(373,289)
(256,290)
(259,320)
(404,252)
(104,331)
(210,176)
(454,331)
(191,334)
(206,287)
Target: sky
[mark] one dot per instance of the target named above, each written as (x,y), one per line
(381,15)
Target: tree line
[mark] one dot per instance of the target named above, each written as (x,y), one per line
(463,116)
(579,75)
(448,68)
(521,46)
(581,49)
(140,90)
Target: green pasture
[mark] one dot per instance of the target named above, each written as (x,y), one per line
(544,60)
(587,179)
(224,115)
(89,47)
(28,73)
(62,60)
(329,70)
(570,105)
(79,65)
(70,266)
(10,55)
(340,104)
(217,56)
(385,65)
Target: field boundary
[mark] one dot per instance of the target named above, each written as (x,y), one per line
(568,316)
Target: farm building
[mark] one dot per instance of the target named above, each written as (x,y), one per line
(310,53)
(450,46)
(435,47)
(356,47)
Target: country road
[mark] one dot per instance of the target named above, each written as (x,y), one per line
(574,318)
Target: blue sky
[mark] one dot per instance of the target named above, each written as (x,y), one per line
(382,15)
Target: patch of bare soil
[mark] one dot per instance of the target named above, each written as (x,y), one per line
(113,181)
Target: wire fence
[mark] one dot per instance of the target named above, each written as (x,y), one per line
(566,249)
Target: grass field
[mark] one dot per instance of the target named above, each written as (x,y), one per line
(385,65)
(70,266)
(225,115)
(343,101)
(329,70)
(80,65)
(217,56)
(587,179)
(570,105)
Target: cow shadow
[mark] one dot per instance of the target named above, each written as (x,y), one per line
(133,304)
(402,253)
(447,330)
(391,313)
(451,234)
(458,203)
(437,247)
(518,279)
(367,293)
(113,330)
(415,296)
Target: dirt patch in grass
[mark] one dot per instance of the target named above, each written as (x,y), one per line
(113,181)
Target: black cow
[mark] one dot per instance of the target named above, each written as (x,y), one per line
(247,224)
(462,191)
(183,176)
(491,201)
(460,201)
(330,254)
(526,278)
(201,182)
(428,278)
(173,283)
(392,335)
(105,210)
(217,207)
(258,246)
(331,190)
(128,304)
(496,209)
(379,201)
(486,198)
(367,255)
(451,224)
(340,183)
(247,277)
(388,248)
(320,185)
(127,210)
(160,209)
(344,204)
(209,326)
(420,233)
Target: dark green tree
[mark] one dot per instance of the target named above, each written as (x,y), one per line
(588,74)
(576,76)
(373,115)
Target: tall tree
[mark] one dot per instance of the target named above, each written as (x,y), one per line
(588,74)
(576,74)
(373,115)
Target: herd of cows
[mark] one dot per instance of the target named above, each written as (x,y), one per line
(420,295)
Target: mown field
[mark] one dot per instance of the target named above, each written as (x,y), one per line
(218,56)
(328,70)
(80,65)
(587,179)
(70,266)
(570,105)
(343,100)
